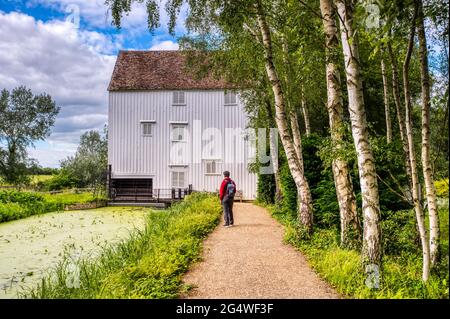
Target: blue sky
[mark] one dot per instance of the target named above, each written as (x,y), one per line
(43,47)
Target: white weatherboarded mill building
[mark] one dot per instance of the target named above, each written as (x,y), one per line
(169,131)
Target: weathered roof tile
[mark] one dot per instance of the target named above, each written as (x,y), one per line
(157,70)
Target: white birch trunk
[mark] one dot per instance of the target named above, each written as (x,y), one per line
(371,251)
(304,198)
(305,112)
(387,113)
(426,134)
(412,157)
(305,214)
(350,227)
(400,118)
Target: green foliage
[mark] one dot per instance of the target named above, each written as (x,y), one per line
(150,264)
(72,198)
(326,206)
(16,205)
(11,211)
(288,187)
(392,179)
(401,266)
(319,175)
(311,160)
(35,169)
(441,188)
(88,167)
(58,182)
(24,118)
(266,188)
(399,233)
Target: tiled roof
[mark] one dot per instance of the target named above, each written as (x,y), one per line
(157,70)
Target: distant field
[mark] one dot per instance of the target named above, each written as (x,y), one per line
(40,178)
(34,179)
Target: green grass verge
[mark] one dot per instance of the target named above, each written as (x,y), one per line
(401,273)
(149,264)
(72,198)
(16,204)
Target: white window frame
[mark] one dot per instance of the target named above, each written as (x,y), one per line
(142,125)
(230,93)
(210,162)
(178,125)
(178,185)
(176,98)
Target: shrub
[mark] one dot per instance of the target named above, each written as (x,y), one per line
(311,160)
(57,182)
(442,188)
(266,188)
(288,188)
(399,232)
(390,163)
(70,198)
(24,198)
(326,206)
(11,211)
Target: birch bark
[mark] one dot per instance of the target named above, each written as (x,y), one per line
(387,113)
(305,112)
(426,134)
(371,250)
(274,155)
(400,117)
(350,226)
(412,157)
(305,213)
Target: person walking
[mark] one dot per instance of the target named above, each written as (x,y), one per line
(226,195)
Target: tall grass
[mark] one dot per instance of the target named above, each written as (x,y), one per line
(149,264)
(401,270)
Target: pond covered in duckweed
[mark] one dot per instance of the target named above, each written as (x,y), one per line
(31,247)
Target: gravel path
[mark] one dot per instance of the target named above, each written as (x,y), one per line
(250,260)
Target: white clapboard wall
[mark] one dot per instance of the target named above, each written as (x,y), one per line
(131,154)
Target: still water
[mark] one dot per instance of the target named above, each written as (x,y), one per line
(31,247)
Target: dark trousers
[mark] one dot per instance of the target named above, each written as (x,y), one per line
(227,203)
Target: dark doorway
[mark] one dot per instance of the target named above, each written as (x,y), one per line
(132,189)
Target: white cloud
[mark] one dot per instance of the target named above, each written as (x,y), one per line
(165,45)
(73,66)
(50,154)
(98,15)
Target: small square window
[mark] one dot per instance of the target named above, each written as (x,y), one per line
(211,167)
(178,133)
(178,98)
(230,98)
(178,179)
(147,128)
